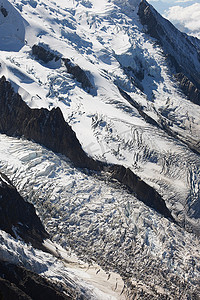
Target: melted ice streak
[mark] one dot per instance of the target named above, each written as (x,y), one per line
(100,222)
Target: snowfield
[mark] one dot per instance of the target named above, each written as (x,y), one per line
(98,220)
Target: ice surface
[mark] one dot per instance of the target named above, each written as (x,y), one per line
(98,221)
(71,274)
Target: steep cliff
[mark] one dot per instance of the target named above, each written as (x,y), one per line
(176,46)
(18,283)
(45,127)
(50,129)
(18,217)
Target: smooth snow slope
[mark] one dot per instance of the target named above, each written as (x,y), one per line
(13,28)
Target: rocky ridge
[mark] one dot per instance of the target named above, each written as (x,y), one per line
(173,42)
(50,129)
(42,126)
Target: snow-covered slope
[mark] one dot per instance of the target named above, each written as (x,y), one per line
(134,114)
(13,27)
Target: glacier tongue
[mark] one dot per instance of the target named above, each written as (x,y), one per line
(103,223)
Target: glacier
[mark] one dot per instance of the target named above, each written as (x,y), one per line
(85,212)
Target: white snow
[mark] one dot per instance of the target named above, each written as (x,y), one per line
(93,286)
(101,223)
(13,27)
(106,39)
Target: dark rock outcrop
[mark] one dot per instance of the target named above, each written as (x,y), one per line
(4,11)
(176,46)
(188,88)
(18,283)
(44,54)
(9,291)
(138,107)
(185,84)
(50,129)
(41,125)
(18,217)
(173,64)
(78,74)
(143,191)
(147,18)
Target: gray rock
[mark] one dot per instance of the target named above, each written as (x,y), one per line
(175,45)
(78,74)
(44,54)
(18,217)
(18,283)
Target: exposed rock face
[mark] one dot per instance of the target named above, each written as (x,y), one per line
(9,291)
(40,52)
(50,129)
(144,192)
(138,107)
(175,45)
(188,88)
(43,54)
(44,127)
(148,18)
(18,283)
(78,74)
(18,216)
